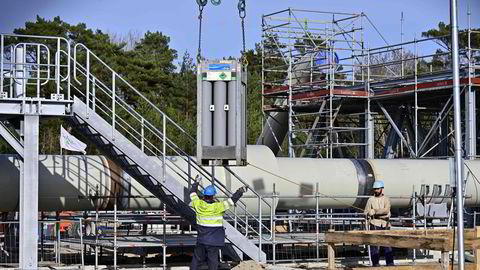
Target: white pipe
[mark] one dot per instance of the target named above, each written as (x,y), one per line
(65,182)
(64,178)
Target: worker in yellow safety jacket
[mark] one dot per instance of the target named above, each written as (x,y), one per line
(209,217)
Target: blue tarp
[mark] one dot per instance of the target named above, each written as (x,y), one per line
(321,58)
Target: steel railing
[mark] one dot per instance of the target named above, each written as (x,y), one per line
(55,63)
(28,62)
(153,141)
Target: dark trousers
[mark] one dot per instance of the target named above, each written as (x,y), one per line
(375,251)
(204,253)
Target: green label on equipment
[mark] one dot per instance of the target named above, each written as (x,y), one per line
(218,76)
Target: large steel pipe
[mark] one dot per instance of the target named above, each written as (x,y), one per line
(66,182)
(75,183)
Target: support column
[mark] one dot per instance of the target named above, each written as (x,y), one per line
(29,194)
(369,124)
(470,124)
(369,132)
(458,134)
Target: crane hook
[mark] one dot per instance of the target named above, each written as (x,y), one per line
(202,2)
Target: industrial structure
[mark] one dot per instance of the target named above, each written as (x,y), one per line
(330,95)
(324,90)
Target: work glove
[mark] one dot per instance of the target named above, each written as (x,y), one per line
(196,183)
(243,189)
(371,213)
(198,179)
(238,194)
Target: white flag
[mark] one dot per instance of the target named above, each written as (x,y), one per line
(69,142)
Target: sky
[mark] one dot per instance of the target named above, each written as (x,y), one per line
(221,35)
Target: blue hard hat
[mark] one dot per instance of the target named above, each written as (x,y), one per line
(378,184)
(210,191)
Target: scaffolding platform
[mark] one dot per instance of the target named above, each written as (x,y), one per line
(328,94)
(397,89)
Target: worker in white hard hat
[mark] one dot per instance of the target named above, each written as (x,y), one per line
(378,213)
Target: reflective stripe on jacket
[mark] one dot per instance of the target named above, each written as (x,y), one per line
(209,214)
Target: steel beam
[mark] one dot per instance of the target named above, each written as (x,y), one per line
(314,125)
(438,121)
(11,139)
(29,195)
(394,126)
(392,139)
(443,134)
(415,132)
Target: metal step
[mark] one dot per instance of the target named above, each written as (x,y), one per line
(169,190)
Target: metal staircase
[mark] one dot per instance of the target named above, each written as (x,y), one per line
(143,141)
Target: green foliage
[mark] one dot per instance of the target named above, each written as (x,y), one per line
(149,64)
(310,42)
(254,95)
(149,67)
(443,34)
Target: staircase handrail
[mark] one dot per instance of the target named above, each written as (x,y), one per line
(150,126)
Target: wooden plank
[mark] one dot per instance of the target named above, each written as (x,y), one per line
(435,239)
(331,253)
(468,233)
(400,241)
(331,256)
(445,260)
(436,266)
(407,232)
(469,243)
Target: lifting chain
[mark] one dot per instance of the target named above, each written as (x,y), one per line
(242,13)
(201,5)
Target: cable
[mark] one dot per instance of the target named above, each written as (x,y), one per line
(293,182)
(378,32)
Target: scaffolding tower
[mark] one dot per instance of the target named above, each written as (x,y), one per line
(331,96)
